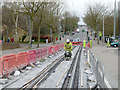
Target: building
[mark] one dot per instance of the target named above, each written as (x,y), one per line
(11,34)
(42,37)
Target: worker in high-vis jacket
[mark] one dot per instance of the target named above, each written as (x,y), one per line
(68,46)
(90,43)
(84,44)
(100,35)
(108,43)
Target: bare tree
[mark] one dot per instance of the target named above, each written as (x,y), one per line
(94,16)
(53,17)
(30,9)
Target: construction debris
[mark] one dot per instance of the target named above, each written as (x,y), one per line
(28,68)
(87,72)
(32,65)
(17,73)
(38,66)
(92,78)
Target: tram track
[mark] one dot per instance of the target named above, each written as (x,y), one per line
(43,75)
(35,81)
(71,80)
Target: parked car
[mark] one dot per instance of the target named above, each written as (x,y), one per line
(76,41)
(112,39)
(115,44)
(71,40)
(73,33)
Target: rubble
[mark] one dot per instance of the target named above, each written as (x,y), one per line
(91,78)
(38,66)
(17,73)
(28,68)
(87,72)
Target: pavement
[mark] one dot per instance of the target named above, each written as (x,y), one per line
(109,59)
(24,47)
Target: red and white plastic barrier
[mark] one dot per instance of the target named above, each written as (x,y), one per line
(50,51)
(1,67)
(10,63)
(44,53)
(22,59)
(31,56)
(38,53)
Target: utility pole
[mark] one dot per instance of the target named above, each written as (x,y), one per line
(98,34)
(115,18)
(103,28)
(29,30)
(51,34)
(119,19)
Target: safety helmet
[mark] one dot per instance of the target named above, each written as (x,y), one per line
(67,40)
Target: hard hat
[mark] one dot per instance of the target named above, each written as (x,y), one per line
(67,40)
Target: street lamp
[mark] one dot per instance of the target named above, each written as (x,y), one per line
(51,34)
(103,28)
(114,18)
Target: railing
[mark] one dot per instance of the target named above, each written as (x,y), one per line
(98,70)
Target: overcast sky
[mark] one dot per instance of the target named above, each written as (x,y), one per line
(79,7)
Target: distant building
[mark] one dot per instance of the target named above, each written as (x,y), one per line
(11,34)
(42,37)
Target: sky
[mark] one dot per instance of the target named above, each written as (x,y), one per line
(79,7)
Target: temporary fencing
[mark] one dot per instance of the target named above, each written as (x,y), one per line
(1,67)
(9,63)
(38,54)
(31,56)
(22,59)
(50,51)
(44,53)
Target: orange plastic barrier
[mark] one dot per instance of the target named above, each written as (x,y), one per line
(22,59)
(44,52)
(31,56)
(9,64)
(50,51)
(38,53)
(1,67)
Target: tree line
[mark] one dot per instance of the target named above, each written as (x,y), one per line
(37,18)
(94,18)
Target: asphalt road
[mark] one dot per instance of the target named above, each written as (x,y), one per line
(81,35)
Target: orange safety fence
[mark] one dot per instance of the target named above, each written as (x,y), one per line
(22,59)
(44,52)
(50,51)
(38,53)
(31,56)
(9,64)
(1,67)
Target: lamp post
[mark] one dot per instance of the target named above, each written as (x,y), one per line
(29,30)
(114,18)
(103,28)
(51,34)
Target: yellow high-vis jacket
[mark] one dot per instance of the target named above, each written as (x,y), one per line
(68,47)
